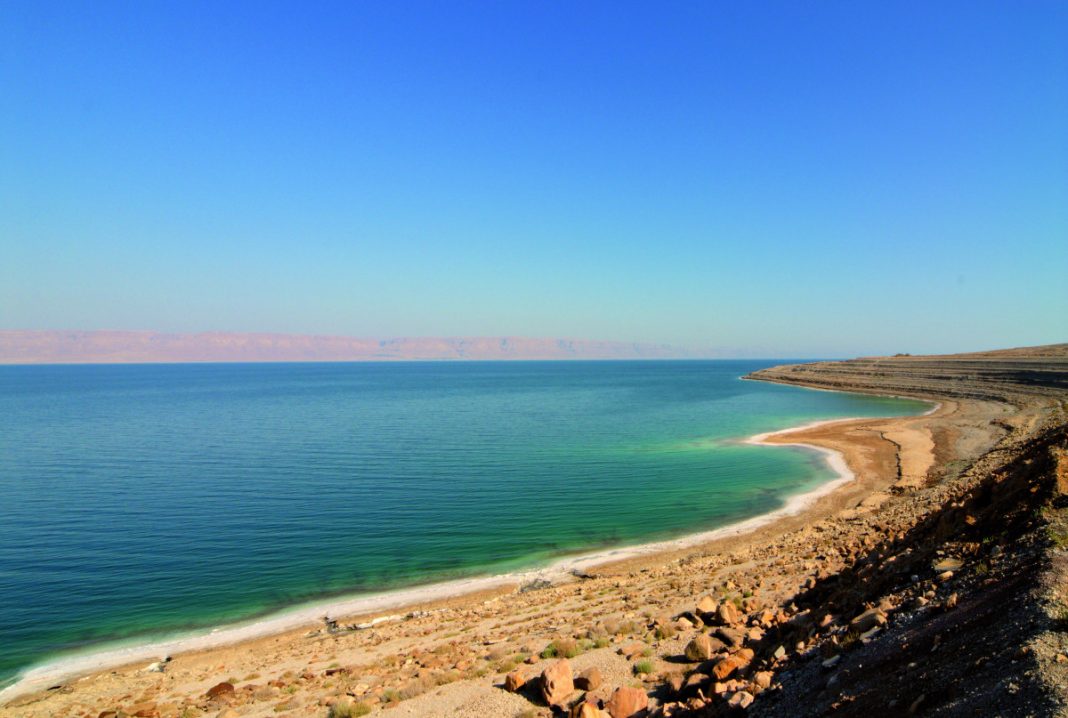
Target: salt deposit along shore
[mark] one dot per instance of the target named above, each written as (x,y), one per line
(796,580)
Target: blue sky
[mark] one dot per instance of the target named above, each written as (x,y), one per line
(793,179)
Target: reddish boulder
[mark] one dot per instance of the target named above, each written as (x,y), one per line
(557,683)
(588,709)
(727,614)
(706,605)
(146,709)
(589,680)
(220,690)
(700,648)
(725,668)
(627,703)
(514,681)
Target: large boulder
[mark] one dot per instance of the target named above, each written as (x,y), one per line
(220,691)
(589,680)
(700,648)
(741,699)
(627,703)
(515,680)
(725,667)
(706,605)
(868,620)
(557,683)
(588,709)
(727,614)
(732,637)
(145,709)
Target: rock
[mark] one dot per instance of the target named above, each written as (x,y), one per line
(227,713)
(587,709)
(744,657)
(700,648)
(146,709)
(694,682)
(831,662)
(868,635)
(951,602)
(676,681)
(627,702)
(514,681)
(557,684)
(589,680)
(633,650)
(220,690)
(868,620)
(706,605)
(725,667)
(732,637)
(763,679)
(727,614)
(948,564)
(741,699)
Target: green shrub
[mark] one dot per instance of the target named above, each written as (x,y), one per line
(665,631)
(349,710)
(564,648)
(644,666)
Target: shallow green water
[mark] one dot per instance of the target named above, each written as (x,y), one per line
(144,500)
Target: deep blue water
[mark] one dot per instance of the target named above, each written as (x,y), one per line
(149,499)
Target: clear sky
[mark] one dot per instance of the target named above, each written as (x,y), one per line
(798,179)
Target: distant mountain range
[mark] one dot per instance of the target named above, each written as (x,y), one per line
(100,347)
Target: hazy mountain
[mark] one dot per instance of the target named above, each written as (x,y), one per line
(57,347)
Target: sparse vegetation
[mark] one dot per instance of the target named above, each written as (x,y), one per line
(348,709)
(1058,536)
(665,631)
(644,666)
(564,648)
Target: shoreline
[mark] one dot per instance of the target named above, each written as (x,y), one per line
(307,616)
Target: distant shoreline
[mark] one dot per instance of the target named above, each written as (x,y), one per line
(309,615)
(33,347)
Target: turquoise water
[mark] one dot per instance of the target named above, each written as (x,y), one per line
(147,500)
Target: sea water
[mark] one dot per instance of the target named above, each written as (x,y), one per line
(138,501)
